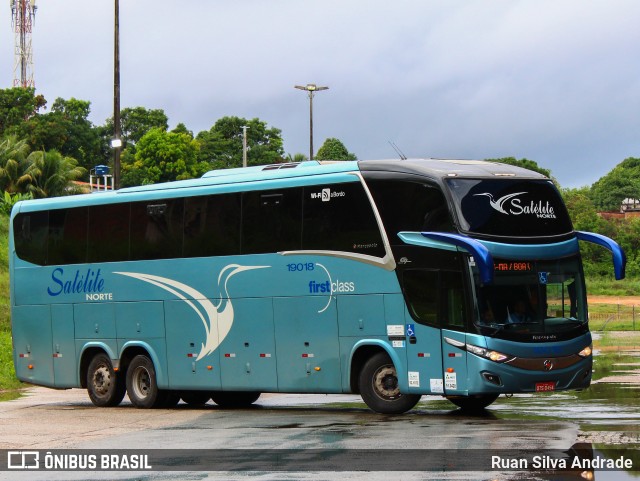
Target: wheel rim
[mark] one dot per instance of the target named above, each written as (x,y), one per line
(102,380)
(141,382)
(385,383)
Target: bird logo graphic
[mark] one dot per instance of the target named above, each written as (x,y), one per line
(217,319)
(498,204)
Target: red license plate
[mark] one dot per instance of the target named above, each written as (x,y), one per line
(545,386)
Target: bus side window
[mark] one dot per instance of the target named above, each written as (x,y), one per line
(453,299)
(410,206)
(157,229)
(67,236)
(435,297)
(271,221)
(31,233)
(109,233)
(421,291)
(339,217)
(212,225)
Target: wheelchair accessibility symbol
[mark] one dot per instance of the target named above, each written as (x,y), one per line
(411,331)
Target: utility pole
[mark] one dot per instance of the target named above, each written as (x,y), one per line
(311,89)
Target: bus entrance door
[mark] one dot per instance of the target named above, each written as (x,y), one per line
(424,361)
(454,363)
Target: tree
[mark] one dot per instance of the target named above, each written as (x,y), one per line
(524,163)
(135,122)
(18,105)
(51,174)
(622,182)
(13,164)
(66,129)
(221,146)
(297,157)
(333,149)
(163,156)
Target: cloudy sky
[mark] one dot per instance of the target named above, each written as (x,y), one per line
(555,81)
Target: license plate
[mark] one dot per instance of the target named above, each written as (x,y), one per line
(545,386)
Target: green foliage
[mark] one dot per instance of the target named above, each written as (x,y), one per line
(298,157)
(333,149)
(18,105)
(7,201)
(621,183)
(66,129)
(524,163)
(135,122)
(221,146)
(162,157)
(13,163)
(50,174)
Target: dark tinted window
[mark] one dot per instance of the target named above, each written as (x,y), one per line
(435,297)
(511,208)
(109,233)
(156,229)
(67,236)
(339,217)
(271,221)
(30,233)
(212,225)
(410,206)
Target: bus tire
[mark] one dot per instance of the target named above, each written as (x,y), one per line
(378,383)
(234,399)
(142,386)
(106,388)
(473,403)
(195,398)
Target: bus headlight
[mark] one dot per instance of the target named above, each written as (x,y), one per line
(494,356)
(586,352)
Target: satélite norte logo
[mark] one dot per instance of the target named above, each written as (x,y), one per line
(511,204)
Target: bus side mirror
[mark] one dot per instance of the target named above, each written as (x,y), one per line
(619,257)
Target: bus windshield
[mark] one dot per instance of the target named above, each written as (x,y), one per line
(532,300)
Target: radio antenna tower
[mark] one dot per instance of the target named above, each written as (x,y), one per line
(22,14)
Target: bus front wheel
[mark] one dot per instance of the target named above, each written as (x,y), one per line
(106,388)
(379,388)
(142,386)
(473,403)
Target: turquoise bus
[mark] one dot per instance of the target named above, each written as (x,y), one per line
(391,279)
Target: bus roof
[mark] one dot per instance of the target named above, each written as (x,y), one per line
(436,169)
(444,168)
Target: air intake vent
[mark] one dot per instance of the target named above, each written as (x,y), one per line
(289,165)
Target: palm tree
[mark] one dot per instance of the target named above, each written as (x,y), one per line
(50,174)
(13,164)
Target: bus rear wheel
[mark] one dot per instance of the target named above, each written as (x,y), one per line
(379,388)
(106,388)
(473,403)
(234,399)
(142,387)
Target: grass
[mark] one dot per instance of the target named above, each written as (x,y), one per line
(8,381)
(606,286)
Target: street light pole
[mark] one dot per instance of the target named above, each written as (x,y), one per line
(311,89)
(116,143)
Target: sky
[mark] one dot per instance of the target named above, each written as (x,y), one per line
(554,81)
